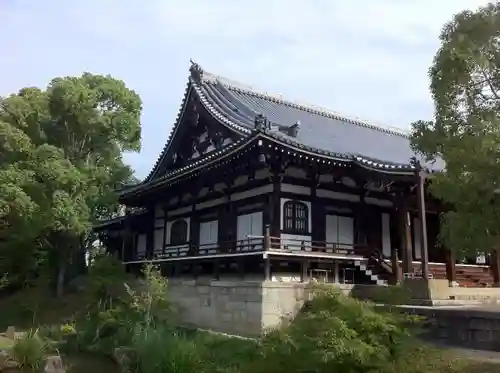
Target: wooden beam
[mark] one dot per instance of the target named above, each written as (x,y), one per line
(405,234)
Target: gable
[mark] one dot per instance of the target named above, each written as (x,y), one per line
(196,134)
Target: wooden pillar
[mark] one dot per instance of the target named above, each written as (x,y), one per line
(241,267)
(396,272)
(123,235)
(195,270)
(304,269)
(267,268)
(129,252)
(216,269)
(227,222)
(336,271)
(451,272)
(405,234)
(360,226)
(423,222)
(150,229)
(318,232)
(164,243)
(194,231)
(495,267)
(275,206)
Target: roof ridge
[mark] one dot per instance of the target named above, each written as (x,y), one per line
(315,109)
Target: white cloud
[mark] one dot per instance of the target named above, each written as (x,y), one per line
(361,58)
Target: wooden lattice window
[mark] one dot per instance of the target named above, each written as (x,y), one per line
(178,232)
(296,217)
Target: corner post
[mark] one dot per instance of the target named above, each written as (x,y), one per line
(421,176)
(451,271)
(405,235)
(267,238)
(495,267)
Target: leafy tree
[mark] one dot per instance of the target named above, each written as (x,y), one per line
(465,132)
(60,162)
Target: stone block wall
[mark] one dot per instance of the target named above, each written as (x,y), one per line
(470,328)
(439,292)
(236,307)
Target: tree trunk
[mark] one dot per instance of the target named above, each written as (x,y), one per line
(61,274)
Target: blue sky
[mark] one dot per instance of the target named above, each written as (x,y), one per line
(367,59)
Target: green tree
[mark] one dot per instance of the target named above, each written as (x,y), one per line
(60,161)
(465,132)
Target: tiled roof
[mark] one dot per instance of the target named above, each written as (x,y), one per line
(320,130)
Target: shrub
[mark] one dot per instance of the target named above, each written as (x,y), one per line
(112,320)
(335,333)
(29,351)
(149,300)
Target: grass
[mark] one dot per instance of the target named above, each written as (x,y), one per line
(84,363)
(6,343)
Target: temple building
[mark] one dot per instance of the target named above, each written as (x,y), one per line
(251,185)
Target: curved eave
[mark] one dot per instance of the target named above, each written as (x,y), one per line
(400,169)
(216,110)
(171,135)
(108,224)
(208,161)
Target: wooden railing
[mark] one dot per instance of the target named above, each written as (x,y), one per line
(227,247)
(297,245)
(377,257)
(253,244)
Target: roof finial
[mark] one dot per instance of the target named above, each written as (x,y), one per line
(196,71)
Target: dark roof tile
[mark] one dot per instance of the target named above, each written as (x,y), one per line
(320,129)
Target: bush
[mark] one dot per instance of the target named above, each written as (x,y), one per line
(113,319)
(149,300)
(335,333)
(29,351)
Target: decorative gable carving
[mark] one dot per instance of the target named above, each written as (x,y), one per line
(198,135)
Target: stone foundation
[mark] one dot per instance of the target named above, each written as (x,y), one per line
(236,307)
(244,307)
(471,328)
